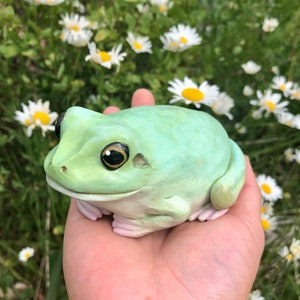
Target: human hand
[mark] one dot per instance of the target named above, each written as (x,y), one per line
(212,260)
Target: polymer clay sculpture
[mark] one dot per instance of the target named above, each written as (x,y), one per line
(152,167)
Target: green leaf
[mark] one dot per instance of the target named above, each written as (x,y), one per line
(7,13)
(153,82)
(130,21)
(9,50)
(101,35)
(30,53)
(55,274)
(60,71)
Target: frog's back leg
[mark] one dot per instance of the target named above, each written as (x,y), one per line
(160,214)
(226,189)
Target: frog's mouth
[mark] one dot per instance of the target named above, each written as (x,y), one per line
(88,197)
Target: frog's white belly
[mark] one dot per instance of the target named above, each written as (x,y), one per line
(141,204)
(133,217)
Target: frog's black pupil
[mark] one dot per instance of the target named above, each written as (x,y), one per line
(57,124)
(114,155)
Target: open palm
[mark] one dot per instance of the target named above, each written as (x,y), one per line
(212,260)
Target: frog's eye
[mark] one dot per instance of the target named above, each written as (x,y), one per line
(57,124)
(114,155)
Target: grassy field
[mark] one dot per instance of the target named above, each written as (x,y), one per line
(245,52)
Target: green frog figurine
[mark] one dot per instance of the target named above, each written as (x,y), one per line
(152,167)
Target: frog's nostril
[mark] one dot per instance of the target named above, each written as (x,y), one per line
(64,169)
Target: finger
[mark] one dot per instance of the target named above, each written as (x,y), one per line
(248,210)
(110,110)
(142,97)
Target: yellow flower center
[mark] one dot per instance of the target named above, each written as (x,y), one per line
(92,24)
(183,40)
(262,209)
(290,124)
(270,105)
(105,56)
(174,44)
(163,8)
(137,46)
(42,116)
(289,257)
(27,122)
(266,188)
(73,27)
(27,255)
(192,94)
(265,224)
(296,95)
(282,87)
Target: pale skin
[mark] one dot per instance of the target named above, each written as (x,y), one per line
(214,260)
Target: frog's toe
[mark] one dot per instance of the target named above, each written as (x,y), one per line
(127,227)
(91,211)
(207,213)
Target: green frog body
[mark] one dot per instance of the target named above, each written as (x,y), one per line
(152,167)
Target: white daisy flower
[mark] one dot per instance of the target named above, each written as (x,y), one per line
(180,38)
(163,5)
(270,24)
(143,9)
(248,91)
(24,117)
(74,22)
(269,102)
(289,154)
(241,129)
(139,44)
(266,207)
(256,295)
(76,38)
(251,67)
(295,248)
(104,58)
(285,253)
(45,2)
(222,105)
(295,92)
(257,114)
(75,31)
(291,253)
(296,156)
(286,118)
(280,83)
(79,6)
(296,122)
(25,254)
(36,114)
(269,189)
(275,70)
(268,223)
(189,92)
(93,25)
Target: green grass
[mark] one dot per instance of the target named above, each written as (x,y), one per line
(36,64)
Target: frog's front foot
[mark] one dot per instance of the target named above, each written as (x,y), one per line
(128,227)
(207,213)
(91,211)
